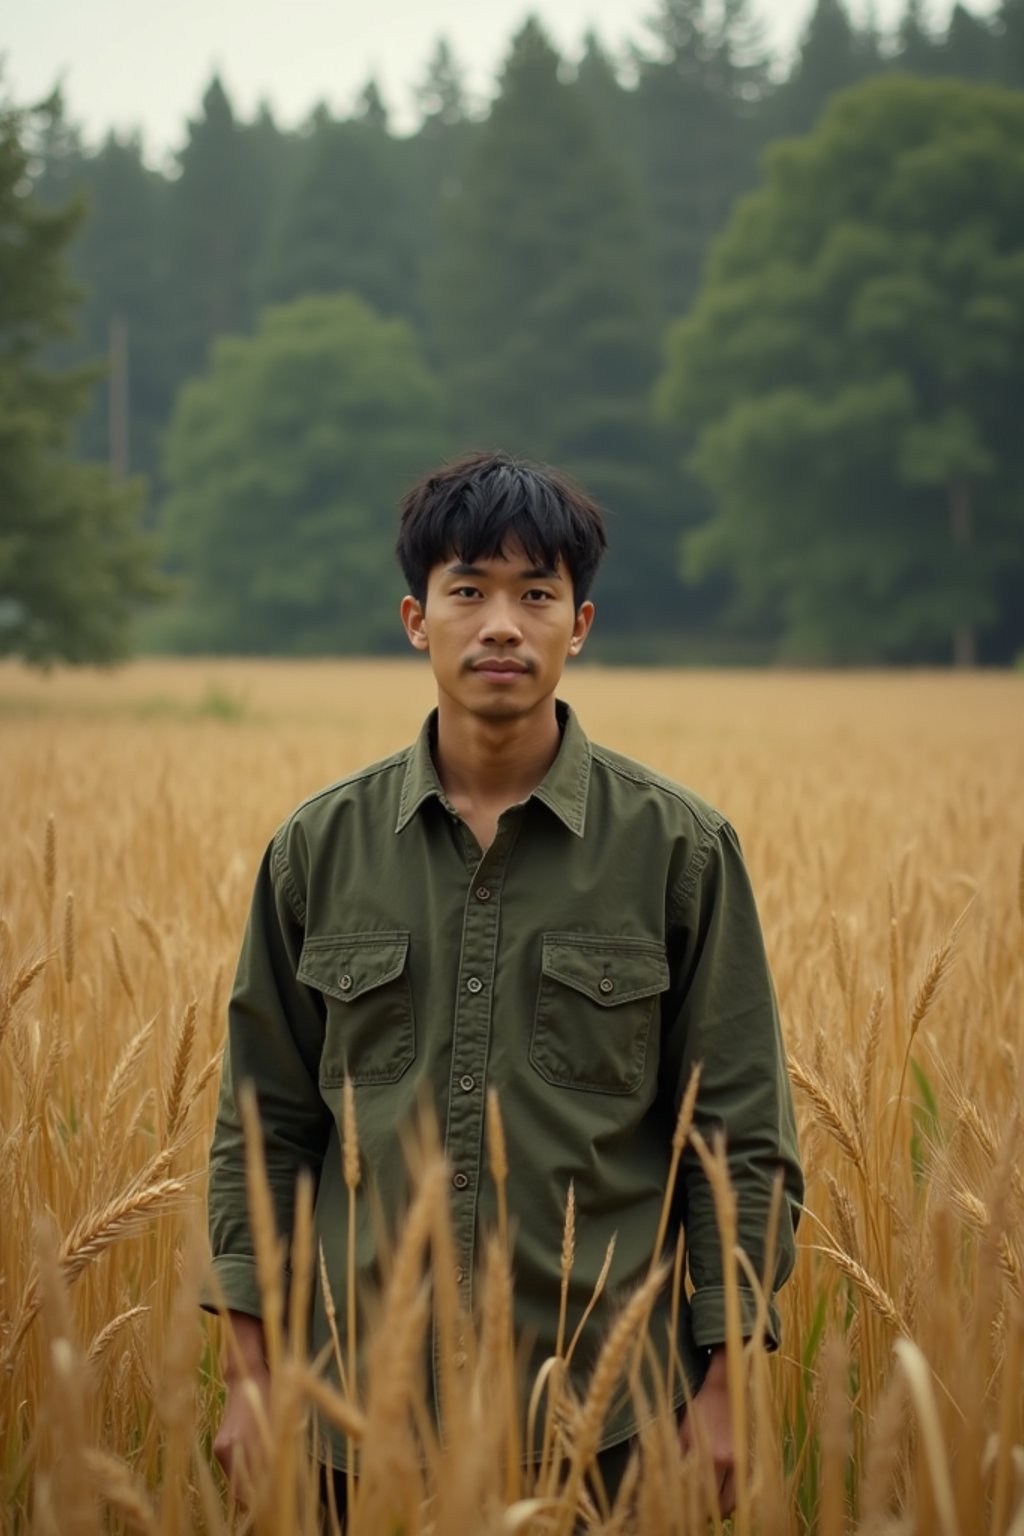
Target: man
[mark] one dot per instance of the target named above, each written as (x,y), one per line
(505,903)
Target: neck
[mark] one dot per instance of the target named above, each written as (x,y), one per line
(494,762)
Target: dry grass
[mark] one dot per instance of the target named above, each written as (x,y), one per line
(883,821)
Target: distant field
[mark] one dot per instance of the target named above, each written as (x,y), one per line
(880,814)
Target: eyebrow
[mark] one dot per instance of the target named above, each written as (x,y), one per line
(532,573)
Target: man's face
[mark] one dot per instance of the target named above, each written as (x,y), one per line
(498,631)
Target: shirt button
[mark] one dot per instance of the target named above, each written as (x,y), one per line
(345,983)
(606,984)
(460,1180)
(482,893)
(474,984)
(467,1083)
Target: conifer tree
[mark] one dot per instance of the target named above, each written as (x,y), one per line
(833,54)
(72,560)
(1009,31)
(119,261)
(343,222)
(697,131)
(216,218)
(969,50)
(917,52)
(542,303)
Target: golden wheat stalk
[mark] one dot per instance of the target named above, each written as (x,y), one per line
(829,1111)
(680,1135)
(613,1359)
(175,1107)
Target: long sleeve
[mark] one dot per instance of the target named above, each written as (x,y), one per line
(275,1037)
(727,1021)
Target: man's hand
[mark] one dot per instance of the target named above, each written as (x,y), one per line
(708,1427)
(239,1443)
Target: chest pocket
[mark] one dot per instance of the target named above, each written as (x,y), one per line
(595,1005)
(370,1030)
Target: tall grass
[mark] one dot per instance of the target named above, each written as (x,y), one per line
(883,820)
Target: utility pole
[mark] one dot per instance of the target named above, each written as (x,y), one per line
(118,398)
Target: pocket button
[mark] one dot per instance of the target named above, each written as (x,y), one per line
(606,984)
(345,983)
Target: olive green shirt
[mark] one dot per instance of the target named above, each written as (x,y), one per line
(605,943)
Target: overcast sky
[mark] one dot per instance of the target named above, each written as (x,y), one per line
(138,63)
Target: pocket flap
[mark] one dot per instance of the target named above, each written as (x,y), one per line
(345,965)
(609,970)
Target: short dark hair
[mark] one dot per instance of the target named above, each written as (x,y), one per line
(473,507)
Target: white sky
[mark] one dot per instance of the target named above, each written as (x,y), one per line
(142,64)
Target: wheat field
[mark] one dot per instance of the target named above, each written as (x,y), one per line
(883,820)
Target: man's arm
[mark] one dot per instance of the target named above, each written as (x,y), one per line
(727,1022)
(275,1038)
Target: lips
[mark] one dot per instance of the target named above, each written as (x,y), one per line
(514,668)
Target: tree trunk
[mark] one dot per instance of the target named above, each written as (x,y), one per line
(961,530)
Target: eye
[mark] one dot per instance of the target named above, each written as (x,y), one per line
(538,595)
(465,592)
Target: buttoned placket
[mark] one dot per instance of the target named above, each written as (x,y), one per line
(471,1037)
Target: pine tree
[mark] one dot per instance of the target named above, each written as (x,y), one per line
(433,159)
(697,131)
(917,52)
(441,97)
(543,312)
(216,219)
(119,261)
(1009,32)
(343,222)
(72,561)
(833,55)
(969,50)
(597,83)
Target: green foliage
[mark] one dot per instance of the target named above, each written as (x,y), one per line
(72,561)
(544,314)
(833,55)
(218,211)
(539,248)
(853,369)
(342,223)
(697,133)
(284,462)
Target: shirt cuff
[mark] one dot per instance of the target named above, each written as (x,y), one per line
(707,1317)
(233,1286)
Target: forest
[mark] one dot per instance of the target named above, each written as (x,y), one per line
(772,318)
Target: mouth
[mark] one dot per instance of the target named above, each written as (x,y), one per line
(499,669)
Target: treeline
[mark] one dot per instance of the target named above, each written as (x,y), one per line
(510,280)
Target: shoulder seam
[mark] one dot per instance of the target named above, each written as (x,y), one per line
(710,823)
(396,760)
(282,869)
(691,874)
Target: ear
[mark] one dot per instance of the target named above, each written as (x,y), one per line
(581,628)
(414,622)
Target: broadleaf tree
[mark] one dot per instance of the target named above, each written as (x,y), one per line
(284,463)
(853,369)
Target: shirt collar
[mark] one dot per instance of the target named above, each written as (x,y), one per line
(563,788)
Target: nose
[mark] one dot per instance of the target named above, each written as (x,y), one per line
(499,622)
